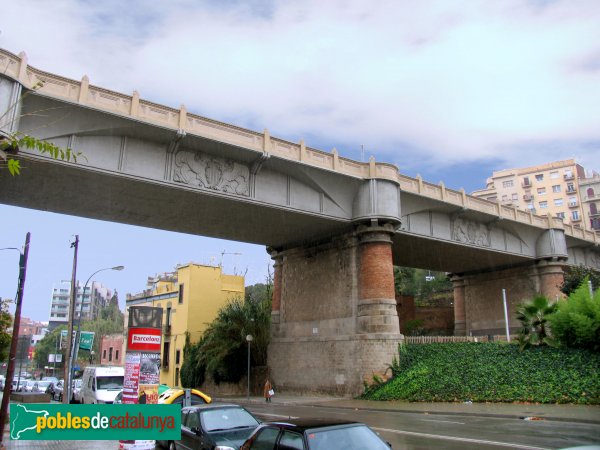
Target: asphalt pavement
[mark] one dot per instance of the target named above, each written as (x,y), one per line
(525,411)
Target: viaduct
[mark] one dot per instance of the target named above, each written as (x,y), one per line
(334,227)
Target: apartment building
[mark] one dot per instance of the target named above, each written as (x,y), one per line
(190,297)
(547,189)
(590,201)
(95,297)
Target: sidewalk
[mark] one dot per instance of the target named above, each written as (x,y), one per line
(563,413)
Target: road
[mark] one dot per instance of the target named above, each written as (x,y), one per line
(417,431)
(409,430)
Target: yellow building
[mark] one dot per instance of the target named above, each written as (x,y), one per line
(190,299)
(548,189)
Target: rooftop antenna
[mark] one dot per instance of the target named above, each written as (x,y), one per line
(226,253)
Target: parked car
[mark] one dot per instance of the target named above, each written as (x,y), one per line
(57,394)
(76,392)
(53,379)
(177,395)
(314,434)
(25,385)
(213,425)
(44,386)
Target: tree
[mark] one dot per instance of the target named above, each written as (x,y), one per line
(221,352)
(533,316)
(6,321)
(47,345)
(11,142)
(576,322)
(575,275)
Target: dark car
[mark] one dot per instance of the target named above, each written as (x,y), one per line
(314,434)
(215,424)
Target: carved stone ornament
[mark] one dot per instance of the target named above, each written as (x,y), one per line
(470,232)
(211,172)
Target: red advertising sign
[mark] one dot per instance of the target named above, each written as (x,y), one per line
(144,339)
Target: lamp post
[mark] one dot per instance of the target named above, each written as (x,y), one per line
(71,361)
(249,339)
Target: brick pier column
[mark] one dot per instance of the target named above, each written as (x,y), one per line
(460,317)
(376,300)
(277,287)
(551,277)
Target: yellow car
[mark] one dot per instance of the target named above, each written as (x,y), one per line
(175,396)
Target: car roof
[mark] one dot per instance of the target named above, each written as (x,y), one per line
(214,405)
(303,424)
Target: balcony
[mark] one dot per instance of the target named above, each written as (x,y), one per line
(578,219)
(573,205)
(528,197)
(568,176)
(571,189)
(526,184)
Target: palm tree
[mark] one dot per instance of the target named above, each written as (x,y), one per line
(533,316)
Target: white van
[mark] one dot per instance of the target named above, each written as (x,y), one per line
(101,384)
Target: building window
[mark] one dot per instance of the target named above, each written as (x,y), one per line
(180,294)
(572,201)
(558,202)
(593,209)
(526,182)
(543,205)
(507,184)
(590,192)
(570,187)
(169,317)
(177,376)
(166,348)
(515,196)
(110,354)
(116,355)
(539,177)
(541,191)
(556,188)
(575,215)
(104,354)
(177,356)
(554,175)
(560,215)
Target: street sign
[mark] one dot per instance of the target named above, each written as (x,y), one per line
(86,340)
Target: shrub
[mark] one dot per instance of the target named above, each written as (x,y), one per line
(495,372)
(576,323)
(533,316)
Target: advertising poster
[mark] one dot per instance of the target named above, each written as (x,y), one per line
(149,368)
(148,394)
(132,377)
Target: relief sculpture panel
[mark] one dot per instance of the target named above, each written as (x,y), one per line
(211,172)
(470,232)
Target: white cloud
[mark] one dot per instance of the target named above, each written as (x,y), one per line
(455,81)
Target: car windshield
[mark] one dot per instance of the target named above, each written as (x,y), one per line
(114,382)
(77,383)
(227,419)
(346,438)
(44,384)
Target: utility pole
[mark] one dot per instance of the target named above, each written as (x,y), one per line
(68,370)
(10,372)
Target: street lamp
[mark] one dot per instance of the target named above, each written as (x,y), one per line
(249,339)
(68,387)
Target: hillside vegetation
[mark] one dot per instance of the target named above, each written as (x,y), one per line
(491,372)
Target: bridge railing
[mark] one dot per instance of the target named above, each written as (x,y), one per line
(82,92)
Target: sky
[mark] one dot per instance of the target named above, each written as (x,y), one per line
(450,90)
